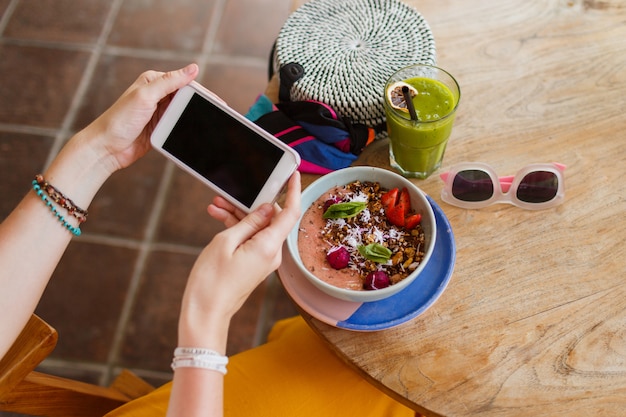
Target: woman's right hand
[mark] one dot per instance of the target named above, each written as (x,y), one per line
(236,261)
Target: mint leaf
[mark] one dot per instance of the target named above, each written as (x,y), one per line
(344,210)
(375,252)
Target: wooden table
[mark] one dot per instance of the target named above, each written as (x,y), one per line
(533,321)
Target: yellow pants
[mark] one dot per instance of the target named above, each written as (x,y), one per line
(293,374)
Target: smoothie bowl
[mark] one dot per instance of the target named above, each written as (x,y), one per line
(365,234)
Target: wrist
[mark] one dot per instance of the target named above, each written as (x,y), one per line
(79,170)
(200,328)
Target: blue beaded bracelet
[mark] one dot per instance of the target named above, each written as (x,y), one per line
(74,230)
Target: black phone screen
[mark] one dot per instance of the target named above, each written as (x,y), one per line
(222,150)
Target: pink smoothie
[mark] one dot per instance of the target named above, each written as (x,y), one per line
(313,249)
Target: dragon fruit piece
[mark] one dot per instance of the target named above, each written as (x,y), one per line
(338,257)
(376,280)
(330,202)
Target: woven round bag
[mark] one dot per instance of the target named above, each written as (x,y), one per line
(348,49)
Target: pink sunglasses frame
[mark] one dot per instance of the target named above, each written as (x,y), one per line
(506,192)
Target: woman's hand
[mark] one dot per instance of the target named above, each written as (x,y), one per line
(236,261)
(123,131)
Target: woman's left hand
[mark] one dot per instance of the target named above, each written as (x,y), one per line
(121,135)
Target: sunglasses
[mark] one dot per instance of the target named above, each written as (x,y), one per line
(476,185)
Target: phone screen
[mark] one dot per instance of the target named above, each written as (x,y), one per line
(222,150)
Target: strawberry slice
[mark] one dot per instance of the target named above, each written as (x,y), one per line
(396,214)
(405,200)
(412,221)
(397,204)
(389,198)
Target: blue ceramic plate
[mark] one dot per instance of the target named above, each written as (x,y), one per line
(383,314)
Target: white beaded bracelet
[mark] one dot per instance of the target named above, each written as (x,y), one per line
(199,358)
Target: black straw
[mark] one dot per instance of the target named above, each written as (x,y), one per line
(409,102)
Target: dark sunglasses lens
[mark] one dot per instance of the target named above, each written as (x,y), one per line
(538,187)
(472,185)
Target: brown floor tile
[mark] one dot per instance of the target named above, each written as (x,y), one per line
(88,376)
(3,6)
(152,378)
(37,84)
(185,219)
(250,27)
(113,75)
(151,334)
(22,156)
(58,20)
(239,85)
(244,324)
(152,331)
(123,206)
(84,299)
(279,306)
(162,24)
(284,306)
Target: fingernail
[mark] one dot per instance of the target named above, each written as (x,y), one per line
(266,210)
(189,69)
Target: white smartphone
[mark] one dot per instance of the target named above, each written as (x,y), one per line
(233,156)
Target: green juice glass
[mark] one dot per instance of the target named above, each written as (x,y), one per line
(417,145)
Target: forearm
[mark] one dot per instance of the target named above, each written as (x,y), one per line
(196,391)
(32,239)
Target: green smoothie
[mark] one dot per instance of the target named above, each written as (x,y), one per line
(416,147)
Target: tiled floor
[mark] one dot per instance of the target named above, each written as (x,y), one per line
(115,296)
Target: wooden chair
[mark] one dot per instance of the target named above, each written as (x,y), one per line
(25,391)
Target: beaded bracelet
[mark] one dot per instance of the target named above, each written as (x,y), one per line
(199,358)
(58,197)
(74,230)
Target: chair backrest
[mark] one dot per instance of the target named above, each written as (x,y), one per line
(23,390)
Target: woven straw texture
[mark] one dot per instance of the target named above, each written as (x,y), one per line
(349,48)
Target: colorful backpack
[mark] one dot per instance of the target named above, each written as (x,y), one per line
(324,140)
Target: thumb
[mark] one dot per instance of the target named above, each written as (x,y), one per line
(173,80)
(252,223)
